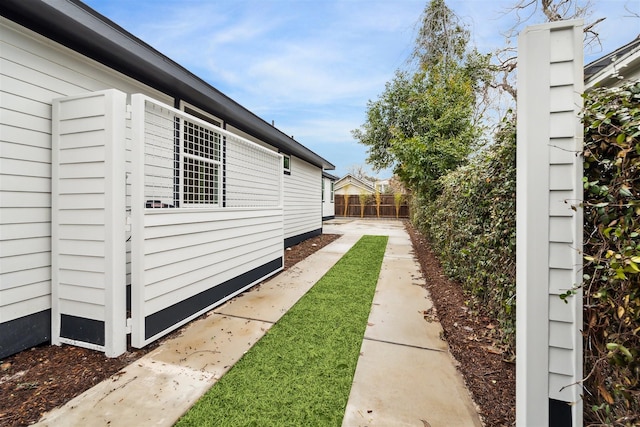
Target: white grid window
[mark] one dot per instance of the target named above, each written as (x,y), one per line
(190,163)
(201,165)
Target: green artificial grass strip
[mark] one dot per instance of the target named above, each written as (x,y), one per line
(300,373)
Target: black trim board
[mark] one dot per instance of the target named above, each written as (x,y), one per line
(165,319)
(292,241)
(327,218)
(82,329)
(24,332)
(559,414)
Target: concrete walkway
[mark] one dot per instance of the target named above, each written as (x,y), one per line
(404,377)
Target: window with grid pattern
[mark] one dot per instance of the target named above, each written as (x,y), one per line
(201,165)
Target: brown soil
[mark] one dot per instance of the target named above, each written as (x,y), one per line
(39,379)
(473,341)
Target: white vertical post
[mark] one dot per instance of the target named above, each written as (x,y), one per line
(115,211)
(137,219)
(549,225)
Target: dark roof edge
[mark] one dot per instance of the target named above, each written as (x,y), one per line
(80,28)
(328,175)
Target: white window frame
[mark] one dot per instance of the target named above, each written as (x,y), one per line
(286,163)
(207,161)
(201,114)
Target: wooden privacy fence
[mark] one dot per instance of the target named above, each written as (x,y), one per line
(387,206)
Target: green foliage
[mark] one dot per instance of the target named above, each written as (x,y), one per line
(612,255)
(472,227)
(300,373)
(424,124)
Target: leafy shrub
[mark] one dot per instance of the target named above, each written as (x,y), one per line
(471,226)
(612,255)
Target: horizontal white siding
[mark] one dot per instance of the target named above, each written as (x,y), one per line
(34,71)
(185,253)
(88,236)
(302,198)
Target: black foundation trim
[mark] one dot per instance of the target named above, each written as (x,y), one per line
(559,414)
(292,241)
(24,332)
(164,319)
(82,329)
(327,218)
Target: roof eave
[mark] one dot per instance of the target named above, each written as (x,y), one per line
(80,28)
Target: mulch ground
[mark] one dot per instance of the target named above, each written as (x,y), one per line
(472,337)
(39,379)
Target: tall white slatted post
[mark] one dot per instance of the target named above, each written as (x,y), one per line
(88,254)
(549,225)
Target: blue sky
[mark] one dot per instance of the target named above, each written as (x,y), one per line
(311,65)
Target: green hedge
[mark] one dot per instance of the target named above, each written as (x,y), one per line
(612,255)
(471,226)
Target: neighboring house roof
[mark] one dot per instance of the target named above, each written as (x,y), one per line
(349,179)
(77,26)
(622,63)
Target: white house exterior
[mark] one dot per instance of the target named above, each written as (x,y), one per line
(611,70)
(328,196)
(127,184)
(351,185)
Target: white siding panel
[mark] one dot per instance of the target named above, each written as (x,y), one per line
(33,304)
(25,184)
(27,261)
(19,199)
(549,222)
(82,294)
(34,71)
(562,45)
(17,167)
(211,262)
(560,229)
(561,177)
(25,105)
(562,125)
(560,280)
(24,231)
(9,248)
(560,202)
(83,216)
(302,198)
(24,138)
(196,281)
(561,98)
(560,335)
(24,277)
(80,278)
(561,255)
(25,121)
(561,73)
(562,387)
(91,264)
(561,311)
(562,151)
(560,361)
(15,295)
(82,309)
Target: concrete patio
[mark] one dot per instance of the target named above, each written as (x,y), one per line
(404,377)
